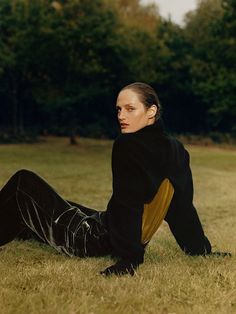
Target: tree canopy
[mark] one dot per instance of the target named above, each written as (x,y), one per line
(63,62)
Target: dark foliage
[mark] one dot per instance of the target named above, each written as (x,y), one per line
(62,64)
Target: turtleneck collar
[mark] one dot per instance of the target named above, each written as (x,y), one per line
(158,125)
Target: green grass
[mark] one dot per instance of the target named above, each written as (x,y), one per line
(36,279)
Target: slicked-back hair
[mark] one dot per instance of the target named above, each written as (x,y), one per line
(146,94)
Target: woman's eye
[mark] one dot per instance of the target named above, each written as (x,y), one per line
(130,109)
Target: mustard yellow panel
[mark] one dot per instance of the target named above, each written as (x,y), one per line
(155,211)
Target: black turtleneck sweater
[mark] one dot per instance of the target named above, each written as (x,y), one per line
(140,162)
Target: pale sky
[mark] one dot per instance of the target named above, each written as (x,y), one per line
(176,8)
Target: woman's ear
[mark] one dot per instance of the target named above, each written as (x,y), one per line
(152,111)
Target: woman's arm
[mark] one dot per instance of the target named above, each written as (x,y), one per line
(125,208)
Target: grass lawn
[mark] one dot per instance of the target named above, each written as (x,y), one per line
(36,279)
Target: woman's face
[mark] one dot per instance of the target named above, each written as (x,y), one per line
(132,114)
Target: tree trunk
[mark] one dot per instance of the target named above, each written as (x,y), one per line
(14,112)
(72,131)
(73,140)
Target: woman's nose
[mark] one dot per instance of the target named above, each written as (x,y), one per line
(121,115)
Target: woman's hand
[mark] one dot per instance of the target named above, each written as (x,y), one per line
(121,268)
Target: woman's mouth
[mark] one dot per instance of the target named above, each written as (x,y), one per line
(124,125)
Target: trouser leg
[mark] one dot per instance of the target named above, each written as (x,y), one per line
(86,210)
(187,230)
(27,233)
(54,220)
(26,201)
(10,221)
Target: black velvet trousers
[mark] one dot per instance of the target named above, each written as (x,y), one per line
(28,205)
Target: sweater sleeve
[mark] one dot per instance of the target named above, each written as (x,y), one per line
(125,208)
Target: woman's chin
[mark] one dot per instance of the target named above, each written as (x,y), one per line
(125,130)
(130,130)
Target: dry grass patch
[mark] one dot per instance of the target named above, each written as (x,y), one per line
(36,279)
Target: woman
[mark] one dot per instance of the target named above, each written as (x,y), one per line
(152,181)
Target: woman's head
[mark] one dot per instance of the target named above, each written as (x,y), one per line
(137,106)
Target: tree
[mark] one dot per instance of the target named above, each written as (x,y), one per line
(21,62)
(59,54)
(212,64)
